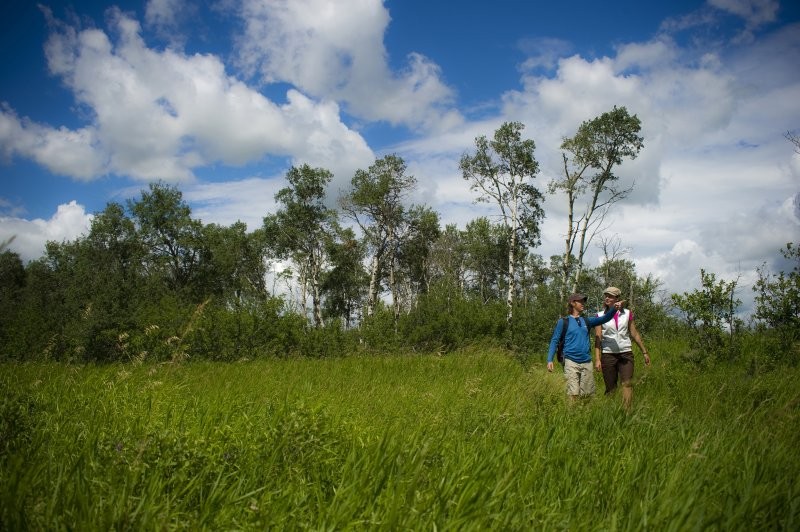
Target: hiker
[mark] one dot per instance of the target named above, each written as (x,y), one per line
(578,368)
(612,345)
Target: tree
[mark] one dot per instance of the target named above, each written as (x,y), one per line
(501,171)
(235,270)
(116,250)
(302,228)
(485,254)
(778,297)
(415,247)
(12,285)
(344,284)
(589,160)
(447,259)
(376,204)
(708,312)
(173,239)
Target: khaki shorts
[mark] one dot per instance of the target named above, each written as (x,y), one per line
(580,377)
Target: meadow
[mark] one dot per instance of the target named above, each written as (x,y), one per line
(474,440)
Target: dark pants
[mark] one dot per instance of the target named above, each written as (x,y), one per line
(616,367)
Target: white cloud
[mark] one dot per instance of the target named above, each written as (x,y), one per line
(335,50)
(30,236)
(716,184)
(247,200)
(60,150)
(160,115)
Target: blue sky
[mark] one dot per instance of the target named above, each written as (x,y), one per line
(97,99)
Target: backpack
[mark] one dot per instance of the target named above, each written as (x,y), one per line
(560,345)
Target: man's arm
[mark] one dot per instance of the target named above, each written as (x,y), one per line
(554,344)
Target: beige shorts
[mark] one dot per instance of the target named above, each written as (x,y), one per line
(580,377)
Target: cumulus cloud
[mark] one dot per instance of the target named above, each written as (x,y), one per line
(716,184)
(335,50)
(60,150)
(246,200)
(161,115)
(28,237)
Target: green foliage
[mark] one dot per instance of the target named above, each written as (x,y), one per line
(12,286)
(469,441)
(377,204)
(153,284)
(485,247)
(378,333)
(303,228)
(173,239)
(502,171)
(778,300)
(533,326)
(442,322)
(708,312)
(345,284)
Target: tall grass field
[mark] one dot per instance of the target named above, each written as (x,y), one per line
(474,440)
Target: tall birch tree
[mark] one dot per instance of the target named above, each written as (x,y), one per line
(376,203)
(302,227)
(590,184)
(501,171)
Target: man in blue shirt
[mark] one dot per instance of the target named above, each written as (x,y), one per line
(578,368)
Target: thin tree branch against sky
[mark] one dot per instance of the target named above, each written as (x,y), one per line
(100,98)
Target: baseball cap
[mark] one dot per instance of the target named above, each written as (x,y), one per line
(613,291)
(577,297)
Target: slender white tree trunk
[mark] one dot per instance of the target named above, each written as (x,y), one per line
(511,277)
(373,286)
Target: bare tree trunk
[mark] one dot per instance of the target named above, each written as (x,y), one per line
(581,253)
(315,293)
(631,292)
(511,277)
(569,241)
(565,267)
(373,285)
(395,295)
(303,292)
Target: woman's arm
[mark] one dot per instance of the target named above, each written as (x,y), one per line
(638,339)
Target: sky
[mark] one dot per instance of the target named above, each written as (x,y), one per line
(220,98)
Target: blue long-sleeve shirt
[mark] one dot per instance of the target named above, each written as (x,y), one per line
(576,342)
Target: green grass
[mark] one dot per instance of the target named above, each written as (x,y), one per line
(470,441)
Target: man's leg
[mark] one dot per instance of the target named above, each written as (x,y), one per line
(587,386)
(572,375)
